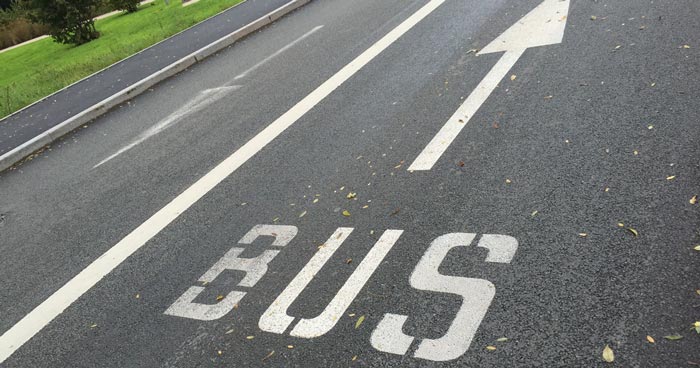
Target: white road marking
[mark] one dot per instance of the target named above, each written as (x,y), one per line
(544,25)
(324,322)
(275,319)
(277,53)
(255,268)
(54,305)
(438,145)
(476,295)
(198,103)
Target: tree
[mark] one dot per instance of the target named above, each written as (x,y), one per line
(69,21)
(128,5)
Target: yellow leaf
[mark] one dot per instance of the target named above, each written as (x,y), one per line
(694,200)
(351,195)
(583,235)
(219,297)
(346,213)
(608,354)
(502,339)
(250,337)
(491,348)
(508,181)
(302,214)
(315,200)
(696,324)
(686,46)
(359,321)
(219,352)
(650,339)
(633,231)
(620,224)
(354,358)
(593,17)
(670,177)
(512,77)
(290,346)
(697,247)
(534,213)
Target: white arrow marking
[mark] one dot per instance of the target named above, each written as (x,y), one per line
(544,25)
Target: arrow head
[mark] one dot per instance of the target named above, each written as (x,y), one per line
(544,25)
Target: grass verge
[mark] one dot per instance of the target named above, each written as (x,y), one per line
(31,72)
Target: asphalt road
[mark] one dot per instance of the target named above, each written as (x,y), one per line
(585,155)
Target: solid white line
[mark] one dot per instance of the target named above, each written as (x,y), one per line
(45,312)
(200,101)
(437,146)
(278,52)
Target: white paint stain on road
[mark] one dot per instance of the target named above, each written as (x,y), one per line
(202,100)
(277,53)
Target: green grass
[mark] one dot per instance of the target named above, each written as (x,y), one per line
(31,72)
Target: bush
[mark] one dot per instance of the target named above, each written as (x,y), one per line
(68,21)
(18,31)
(128,5)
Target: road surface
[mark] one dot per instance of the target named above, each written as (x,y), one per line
(378,183)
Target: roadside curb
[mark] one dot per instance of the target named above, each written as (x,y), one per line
(8,159)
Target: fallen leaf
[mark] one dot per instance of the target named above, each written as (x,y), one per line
(697,247)
(495,125)
(693,200)
(138,296)
(359,321)
(502,339)
(670,177)
(593,17)
(508,181)
(351,195)
(315,200)
(219,297)
(620,224)
(228,332)
(302,214)
(512,77)
(583,235)
(673,337)
(93,325)
(633,231)
(608,354)
(617,47)
(653,84)
(348,261)
(686,46)
(460,164)
(290,346)
(346,213)
(249,337)
(268,356)
(650,127)
(650,339)
(396,212)
(491,348)
(549,97)
(354,358)
(219,352)
(534,213)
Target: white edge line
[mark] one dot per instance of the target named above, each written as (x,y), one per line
(27,148)
(62,298)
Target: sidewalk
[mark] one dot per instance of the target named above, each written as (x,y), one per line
(36,119)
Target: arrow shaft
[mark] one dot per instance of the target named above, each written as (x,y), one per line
(438,145)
